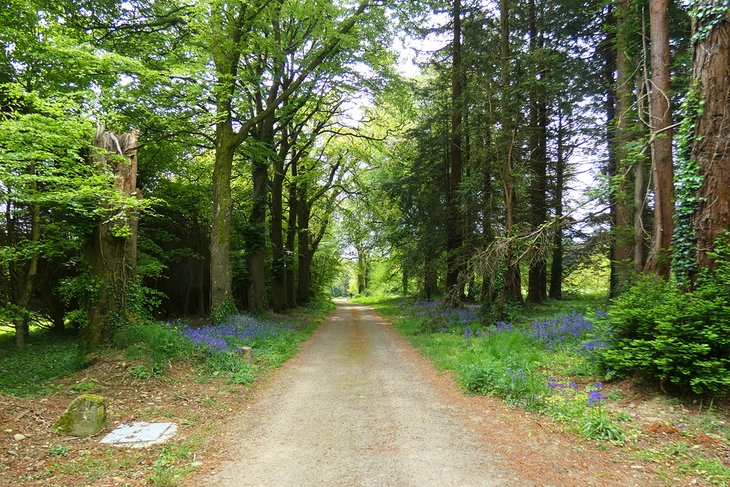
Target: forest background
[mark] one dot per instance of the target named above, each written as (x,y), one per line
(162,159)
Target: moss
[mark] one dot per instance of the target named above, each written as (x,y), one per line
(85,416)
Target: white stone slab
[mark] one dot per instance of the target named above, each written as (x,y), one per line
(138,435)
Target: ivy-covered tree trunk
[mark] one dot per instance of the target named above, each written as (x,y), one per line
(711,147)
(112,250)
(220,236)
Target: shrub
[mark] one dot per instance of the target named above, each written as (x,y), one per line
(159,343)
(679,339)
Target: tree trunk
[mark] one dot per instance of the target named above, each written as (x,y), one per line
(556,266)
(711,147)
(220,236)
(278,253)
(304,283)
(608,51)
(623,238)
(512,282)
(113,258)
(660,123)
(537,276)
(291,234)
(22,322)
(430,278)
(640,186)
(256,236)
(454,230)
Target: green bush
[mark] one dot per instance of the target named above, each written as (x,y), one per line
(158,343)
(680,339)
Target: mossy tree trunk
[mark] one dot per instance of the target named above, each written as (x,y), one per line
(112,250)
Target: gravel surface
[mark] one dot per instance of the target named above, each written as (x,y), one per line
(354,409)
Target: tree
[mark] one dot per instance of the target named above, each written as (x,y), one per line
(112,249)
(454,224)
(711,141)
(237,27)
(508,141)
(661,125)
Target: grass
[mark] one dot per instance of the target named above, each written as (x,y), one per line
(29,372)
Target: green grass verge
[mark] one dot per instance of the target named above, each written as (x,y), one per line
(29,371)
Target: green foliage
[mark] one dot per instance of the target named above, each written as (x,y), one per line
(221,312)
(156,343)
(708,15)
(679,339)
(57,450)
(507,363)
(27,372)
(688,181)
(139,372)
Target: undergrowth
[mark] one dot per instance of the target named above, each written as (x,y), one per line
(30,370)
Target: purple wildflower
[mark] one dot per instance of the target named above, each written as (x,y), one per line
(553,384)
(595,396)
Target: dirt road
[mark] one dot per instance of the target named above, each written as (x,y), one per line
(359,407)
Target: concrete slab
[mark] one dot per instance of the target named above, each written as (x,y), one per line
(139,435)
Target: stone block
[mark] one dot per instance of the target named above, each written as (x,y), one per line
(85,416)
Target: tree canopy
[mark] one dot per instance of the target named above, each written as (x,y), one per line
(165,158)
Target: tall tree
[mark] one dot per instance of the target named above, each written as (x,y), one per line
(661,133)
(508,140)
(454,224)
(622,184)
(233,41)
(711,146)
(537,277)
(112,250)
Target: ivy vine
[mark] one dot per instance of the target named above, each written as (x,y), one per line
(707,16)
(688,181)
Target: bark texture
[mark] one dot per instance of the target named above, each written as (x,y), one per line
(711,148)
(660,122)
(112,251)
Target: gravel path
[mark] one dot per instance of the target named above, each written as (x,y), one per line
(353,409)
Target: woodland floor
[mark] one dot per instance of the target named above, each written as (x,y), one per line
(357,406)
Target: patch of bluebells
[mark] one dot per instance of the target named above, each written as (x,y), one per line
(516,375)
(236,331)
(568,327)
(445,317)
(594,394)
(594,391)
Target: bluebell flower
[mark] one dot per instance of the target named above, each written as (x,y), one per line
(594,396)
